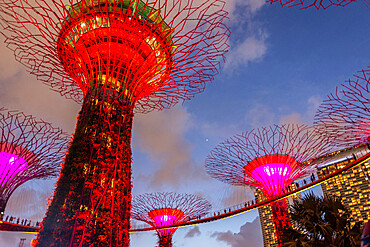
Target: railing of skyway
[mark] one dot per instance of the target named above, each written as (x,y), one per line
(19,221)
(14,227)
(219,214)
(245,207)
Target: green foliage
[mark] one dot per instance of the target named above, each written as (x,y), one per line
(321,221)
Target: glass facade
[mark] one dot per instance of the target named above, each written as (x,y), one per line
(266,219)
(352,186)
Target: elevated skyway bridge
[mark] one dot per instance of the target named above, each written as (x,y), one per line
(219,215)
(216,215)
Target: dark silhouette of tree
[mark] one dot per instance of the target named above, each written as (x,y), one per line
(321,221)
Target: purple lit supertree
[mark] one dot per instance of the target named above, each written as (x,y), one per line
(29,149)
(165,209)
(116,57)
(317,4)
(270,159)
(345,114)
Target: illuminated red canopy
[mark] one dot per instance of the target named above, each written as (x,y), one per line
(122,51)
(161,52)
(166,217)
(13,161)
(269,158)
(167,208)
(272,173)
(29,149)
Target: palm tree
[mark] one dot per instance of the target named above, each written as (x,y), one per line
(321,221)
(294,238)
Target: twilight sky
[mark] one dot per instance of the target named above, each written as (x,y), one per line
(282,63)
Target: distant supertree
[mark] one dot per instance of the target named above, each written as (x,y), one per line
(317,4)
(29,149)
(270,159)
(164,209)
(116,57)
(345,114)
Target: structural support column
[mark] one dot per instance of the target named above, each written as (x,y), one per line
(93,198)
(164,240)
(281,219)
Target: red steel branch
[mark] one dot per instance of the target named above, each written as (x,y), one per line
(163,209)
(345,114)
(317,4)
(29,149)
(116,57)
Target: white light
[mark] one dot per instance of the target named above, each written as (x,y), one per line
(285,171)
(11,161)
(267,170)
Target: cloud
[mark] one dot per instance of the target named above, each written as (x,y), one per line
(8,66)
(248,40)
(162,136)
(239,10)
(219,131)
(238,195)
(24,93)
(291,118)
(14,238)
(241,53)
(193,232)
(259,116)
(250,235)
(25,201)
(21,91)
(313,103)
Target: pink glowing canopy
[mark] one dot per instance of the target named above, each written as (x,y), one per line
(10,166)
(272,173)
(166,217)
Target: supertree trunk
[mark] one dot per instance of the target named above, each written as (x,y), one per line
(281,219)
(165,241)
(92,202)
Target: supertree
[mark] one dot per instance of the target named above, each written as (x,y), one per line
(29,149)
(164,209)
(317,4)
(117,57)
(345,114)
(270,159)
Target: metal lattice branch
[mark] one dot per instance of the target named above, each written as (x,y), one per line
(29,149)
(191,206)
(235,160)
(194,30)
(317,4)
(345,114)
